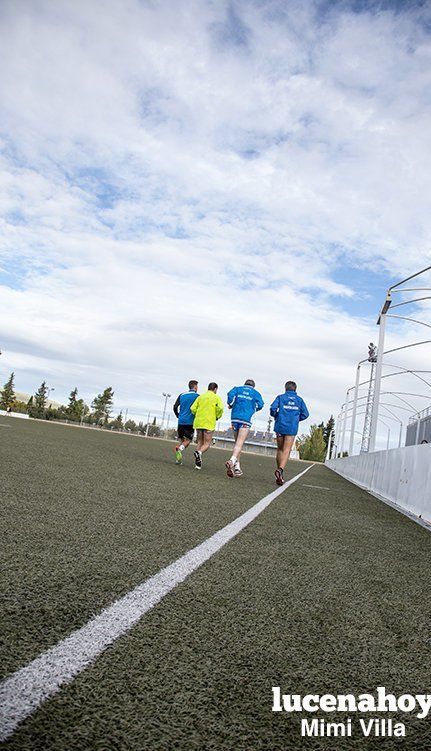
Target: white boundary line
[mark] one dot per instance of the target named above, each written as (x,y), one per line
(25,690)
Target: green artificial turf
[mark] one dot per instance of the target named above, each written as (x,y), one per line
(86,515)
(326,592)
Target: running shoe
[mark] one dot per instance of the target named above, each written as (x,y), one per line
(178,455)
(198,460)
(237,472)
(279,479)
(230,468)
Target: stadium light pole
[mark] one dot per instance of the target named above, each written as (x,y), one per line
(167,396)
(371,358)
(379,365)
(329,449)
(337,432)
(346,410)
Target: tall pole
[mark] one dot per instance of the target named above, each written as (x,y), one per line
(389,436)
(164,406)
(337,433)
(371,358)
(329,449)
(354,409)
(401,435)
(378,378)
(346,409)
(268,432)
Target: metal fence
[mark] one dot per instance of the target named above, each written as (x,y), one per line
(419,428)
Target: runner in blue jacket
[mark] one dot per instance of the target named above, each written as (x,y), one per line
(244,401)
(288,409)
(185,419)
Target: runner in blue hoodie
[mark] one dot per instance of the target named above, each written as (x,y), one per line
(288,409)
(244,401)
(185,419)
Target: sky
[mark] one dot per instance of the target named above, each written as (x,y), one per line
(210,189)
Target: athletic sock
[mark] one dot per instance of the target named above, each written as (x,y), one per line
(233,459)
(182,447)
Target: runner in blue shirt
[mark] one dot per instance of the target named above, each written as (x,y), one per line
(185,419)
(288,409)
(244,401)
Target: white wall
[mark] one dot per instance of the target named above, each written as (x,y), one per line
(14,414)
(401,476)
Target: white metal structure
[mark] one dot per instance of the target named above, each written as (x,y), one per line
(376,408)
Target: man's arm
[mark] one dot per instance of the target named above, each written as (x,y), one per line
(275,406)
(231,397)
(304,413)
(176,406)
(259,402)
(219,408)
(194,406)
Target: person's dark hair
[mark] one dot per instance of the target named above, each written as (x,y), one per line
(250,382)
(212,386)
(192,384)
(290,386)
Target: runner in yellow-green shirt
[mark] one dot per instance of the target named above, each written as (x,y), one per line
(207,409)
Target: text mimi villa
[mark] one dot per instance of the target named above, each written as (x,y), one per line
(381,701)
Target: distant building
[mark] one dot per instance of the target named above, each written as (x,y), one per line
(419,428)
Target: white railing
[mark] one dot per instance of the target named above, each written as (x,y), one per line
(420,415)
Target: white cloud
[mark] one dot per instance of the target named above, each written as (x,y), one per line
(186,184)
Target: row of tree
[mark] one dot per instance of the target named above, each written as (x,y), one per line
(38,406)
(312,446)
(76,410)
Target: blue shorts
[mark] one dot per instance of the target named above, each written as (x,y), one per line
(237,424)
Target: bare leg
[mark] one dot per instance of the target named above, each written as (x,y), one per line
(240,437)
(283,453)
(206,440)
(185,442)
(200,439)
(280,447)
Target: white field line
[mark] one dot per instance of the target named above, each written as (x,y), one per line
(318,487)
(25,690)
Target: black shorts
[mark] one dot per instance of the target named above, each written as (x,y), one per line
(185,431)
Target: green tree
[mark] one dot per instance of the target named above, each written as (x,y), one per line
(117,424)
(37,404)
(151,429)
(76,408)
(312,446)
(102,405)
(7,394)
(131,425)
(328,430)
(18,406)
